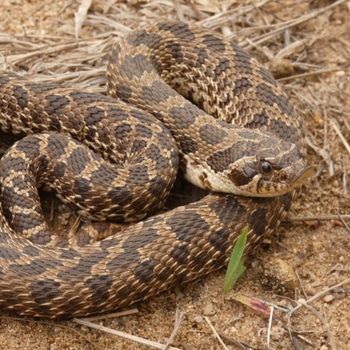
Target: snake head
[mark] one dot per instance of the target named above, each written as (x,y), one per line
(269,176)
(261,165)
(273,171)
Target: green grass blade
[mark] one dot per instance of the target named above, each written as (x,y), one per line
(235,266)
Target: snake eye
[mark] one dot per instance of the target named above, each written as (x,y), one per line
(265,167)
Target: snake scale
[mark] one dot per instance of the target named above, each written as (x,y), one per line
(179,96)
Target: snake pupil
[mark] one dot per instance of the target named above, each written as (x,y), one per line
(266,167)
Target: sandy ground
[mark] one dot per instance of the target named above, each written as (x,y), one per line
(308,49)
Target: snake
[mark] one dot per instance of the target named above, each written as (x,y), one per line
(179,98)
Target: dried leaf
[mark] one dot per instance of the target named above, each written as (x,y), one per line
(255,304)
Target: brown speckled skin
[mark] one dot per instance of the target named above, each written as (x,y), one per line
(175,247)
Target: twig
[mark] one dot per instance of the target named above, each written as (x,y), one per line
(317,217)
(343,222)
(76,224)
(323,153)
(320,294)
(295,22)
(124,335)
(298,345)
(300,283)
(331,339)
(269,326)
(308,74)
(178,319)
(111,315)
(341,136)
(242,345)
(215,333)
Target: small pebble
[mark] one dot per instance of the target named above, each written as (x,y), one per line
(209,309)
(84,329)
(198,319)
(340,73)
(328,298)
(277,332)
(57,329)
(189,347)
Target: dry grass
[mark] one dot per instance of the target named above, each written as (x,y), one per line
(306,44)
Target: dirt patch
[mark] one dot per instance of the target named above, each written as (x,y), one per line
(306,44)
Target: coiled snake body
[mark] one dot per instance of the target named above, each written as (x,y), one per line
(170,76)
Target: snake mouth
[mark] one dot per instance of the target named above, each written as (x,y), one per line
(303,175)
(268,188)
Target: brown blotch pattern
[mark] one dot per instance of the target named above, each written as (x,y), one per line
(187,144)
(219,239)
(186,225)
(239,178)
(157,92)
(99,287)
(257,220)
(214,43)
(222,66)
(241,86)
(221,160)
(152,40)
(144,271)
(180,254)
(29,146)
(122,131)
(134,66)
(266,94)
(138,174)
(56,146)
(43,291)
(123,91)
(202,55)
(242,60)
(55,104)
(103,175)
(185,116)
(37,266)
(116,113)
(84,98)
(286,132)
(212,134)
(228,209)
(94,115)
(284,105)
(267,76)
(258,120)
(41,87)
(175,49)
(21,95)
(78,160)
(9,254)
(181,31)
(120,195)
(81,186)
